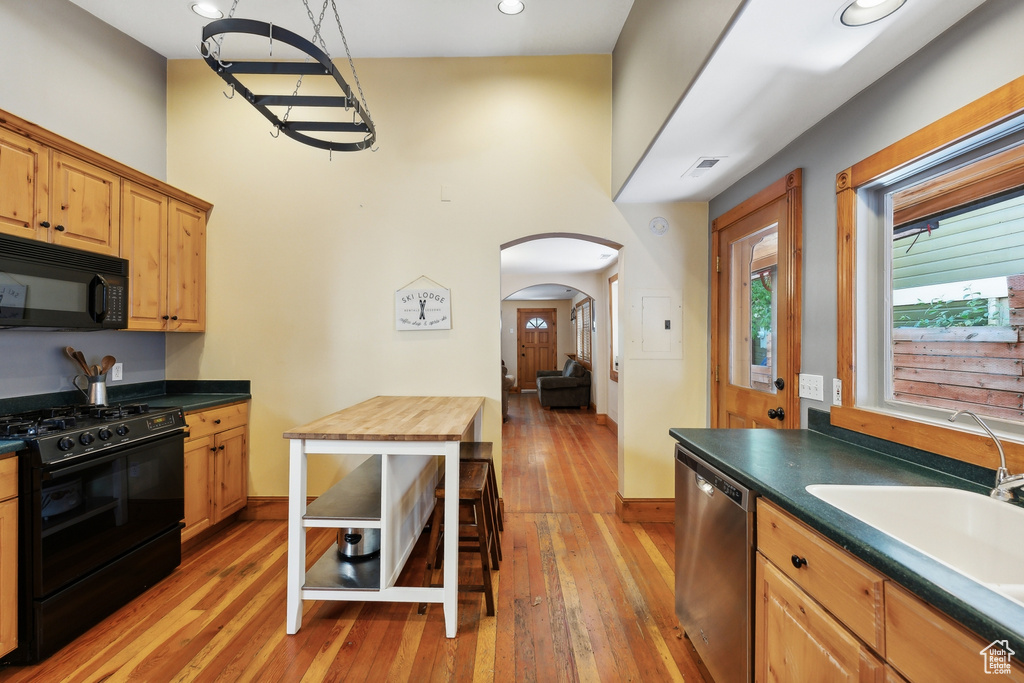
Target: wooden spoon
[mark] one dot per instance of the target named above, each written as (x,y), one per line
(80,357)
(106,363)
(74,355)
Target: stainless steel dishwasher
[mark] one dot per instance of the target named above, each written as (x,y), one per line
(714,566)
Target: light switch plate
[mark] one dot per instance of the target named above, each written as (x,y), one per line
(812,387)
(837,391)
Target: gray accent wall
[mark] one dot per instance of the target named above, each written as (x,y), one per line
(977,55)
(67,71)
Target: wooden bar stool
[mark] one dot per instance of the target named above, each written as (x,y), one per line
(474,530)
(470,451)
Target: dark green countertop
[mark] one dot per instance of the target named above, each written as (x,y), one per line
(188,394)
(779,464)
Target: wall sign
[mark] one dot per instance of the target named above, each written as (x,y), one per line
(425,307)
(12,301)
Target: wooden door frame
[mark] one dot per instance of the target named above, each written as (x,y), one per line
(788,188)
(520,314)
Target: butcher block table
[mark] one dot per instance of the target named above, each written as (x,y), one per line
(393,490)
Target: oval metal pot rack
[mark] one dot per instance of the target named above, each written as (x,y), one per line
(321,66)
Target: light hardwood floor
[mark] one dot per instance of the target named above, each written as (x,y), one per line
(580,596)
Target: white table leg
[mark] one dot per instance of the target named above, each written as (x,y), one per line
(296,534)
(451,538)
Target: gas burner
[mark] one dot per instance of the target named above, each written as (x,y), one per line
(11,425)
(119,411)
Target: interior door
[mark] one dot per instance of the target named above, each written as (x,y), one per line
(756,311)
(538,340)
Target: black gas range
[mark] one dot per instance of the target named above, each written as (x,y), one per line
(101,499)
(58,434)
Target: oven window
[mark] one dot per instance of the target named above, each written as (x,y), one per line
(89,514)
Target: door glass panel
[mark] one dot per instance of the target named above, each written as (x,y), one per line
(753,274)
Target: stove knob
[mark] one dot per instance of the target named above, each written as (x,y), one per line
(122,430)
(66,444)
(86,438)
(104,434)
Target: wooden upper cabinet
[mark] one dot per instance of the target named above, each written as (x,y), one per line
(24,184)
(144,244)
(85,206)
(186,268)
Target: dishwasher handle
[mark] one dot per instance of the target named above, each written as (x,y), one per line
(704,485)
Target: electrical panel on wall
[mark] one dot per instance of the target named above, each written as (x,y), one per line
(655,324)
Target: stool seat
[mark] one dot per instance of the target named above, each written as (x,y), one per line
(472,481)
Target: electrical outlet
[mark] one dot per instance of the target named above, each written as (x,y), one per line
(116,372)
(837,392)
(811,386)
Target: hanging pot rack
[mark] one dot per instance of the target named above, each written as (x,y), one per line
(321,65)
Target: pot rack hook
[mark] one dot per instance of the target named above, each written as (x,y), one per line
(232,95)
(278,134)
(204,52)
(270,33)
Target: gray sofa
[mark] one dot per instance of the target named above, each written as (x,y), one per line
(564,388)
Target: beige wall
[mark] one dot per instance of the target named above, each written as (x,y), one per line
(660,51)
(305,253)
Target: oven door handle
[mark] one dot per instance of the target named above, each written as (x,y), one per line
(52,472)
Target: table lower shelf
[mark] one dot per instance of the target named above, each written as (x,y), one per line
(332,578)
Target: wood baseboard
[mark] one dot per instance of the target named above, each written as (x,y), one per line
(268,507)
(645,509)
(605,421)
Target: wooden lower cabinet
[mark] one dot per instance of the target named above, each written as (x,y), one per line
(8,555)
(821,614)
(216,466)
(797,640)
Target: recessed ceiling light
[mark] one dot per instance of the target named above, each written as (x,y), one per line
(205,9)
(864,12)
(511,6)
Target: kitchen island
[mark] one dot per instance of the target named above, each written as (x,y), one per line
(408,433)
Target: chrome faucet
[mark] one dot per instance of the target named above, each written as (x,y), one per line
(1005,482)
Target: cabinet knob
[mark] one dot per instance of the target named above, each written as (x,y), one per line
(777,414)
(167,317)
(217,421)
(59,228)
(799,561)
(213,449)
(45,224)
(174,317)
(221,447)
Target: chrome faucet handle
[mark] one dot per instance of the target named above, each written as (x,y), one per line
(1005,485)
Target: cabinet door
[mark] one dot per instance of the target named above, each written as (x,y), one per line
(144,244)
(8,575)
(797,640)
(24,182)
(230,473)
(186,268)
(85,206)
(199,455)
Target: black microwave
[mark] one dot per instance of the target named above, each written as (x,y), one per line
(46,285)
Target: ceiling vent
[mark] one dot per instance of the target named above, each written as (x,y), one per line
(702,166)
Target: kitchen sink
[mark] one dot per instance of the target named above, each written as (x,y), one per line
(968,532)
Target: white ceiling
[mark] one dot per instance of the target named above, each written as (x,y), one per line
(782,67)
(552,256)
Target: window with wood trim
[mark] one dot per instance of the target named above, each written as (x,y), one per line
(613,327)
(931,284)
(584,331)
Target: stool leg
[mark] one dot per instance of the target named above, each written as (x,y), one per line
(494,496)
(494,540)
(482,537)
(432,542)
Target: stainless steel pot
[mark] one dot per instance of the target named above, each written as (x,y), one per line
(358,543)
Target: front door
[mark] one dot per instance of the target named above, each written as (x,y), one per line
(756,310)
(537,337)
